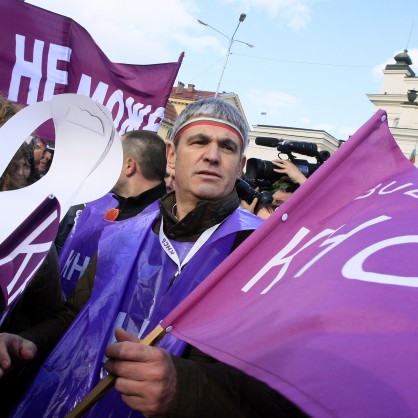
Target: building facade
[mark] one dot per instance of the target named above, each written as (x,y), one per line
(181,96)
(398,97)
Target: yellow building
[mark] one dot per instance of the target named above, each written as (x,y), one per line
(181,96)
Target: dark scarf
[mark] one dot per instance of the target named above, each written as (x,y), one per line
(206,214)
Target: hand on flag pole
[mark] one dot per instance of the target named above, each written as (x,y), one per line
(104,385)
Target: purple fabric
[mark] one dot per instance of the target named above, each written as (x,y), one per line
(35,41)
(132,284)
(82,241)
(327,289)
(22,253)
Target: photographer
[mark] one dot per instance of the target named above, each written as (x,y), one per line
(291,180)
(260,209)
(283,176)
(289,170)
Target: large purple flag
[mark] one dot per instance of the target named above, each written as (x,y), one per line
(321,302)
(43,53)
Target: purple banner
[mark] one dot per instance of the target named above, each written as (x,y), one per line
(321,301)
(22,253)
(43,54)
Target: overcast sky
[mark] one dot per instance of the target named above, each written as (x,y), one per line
(312,64)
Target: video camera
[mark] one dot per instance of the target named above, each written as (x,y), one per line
(260,173)
(247,193)
(261,169)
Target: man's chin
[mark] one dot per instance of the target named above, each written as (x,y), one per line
(208,193)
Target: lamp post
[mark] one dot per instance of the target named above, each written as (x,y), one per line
(231,41)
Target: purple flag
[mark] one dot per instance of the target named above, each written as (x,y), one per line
(22,253)
(43,54)
(321,301)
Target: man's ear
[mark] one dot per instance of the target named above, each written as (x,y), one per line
(130,166)
(241,166)
(171,155)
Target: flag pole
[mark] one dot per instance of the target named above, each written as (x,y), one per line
(105,384)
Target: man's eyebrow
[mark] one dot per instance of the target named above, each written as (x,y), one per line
(198,136)
(229,141)
(206,137)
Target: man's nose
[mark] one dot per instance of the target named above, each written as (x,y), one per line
(212,153)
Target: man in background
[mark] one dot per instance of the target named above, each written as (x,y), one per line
(141,182)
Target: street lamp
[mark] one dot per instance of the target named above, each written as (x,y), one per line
(231,41)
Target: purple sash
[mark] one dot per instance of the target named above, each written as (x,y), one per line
(133,271)
(81,243)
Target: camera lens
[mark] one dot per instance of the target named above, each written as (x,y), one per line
(261,169)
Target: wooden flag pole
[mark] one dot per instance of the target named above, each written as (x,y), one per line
(105,384)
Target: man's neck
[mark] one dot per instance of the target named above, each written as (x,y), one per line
(203,215)
(184,205)
(181,210)
(136,188)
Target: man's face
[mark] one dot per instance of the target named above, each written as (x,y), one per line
(280,196)
(38,153)
(45,162)
(207,162)
(169,180)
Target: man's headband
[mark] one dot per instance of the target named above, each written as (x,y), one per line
(212,122)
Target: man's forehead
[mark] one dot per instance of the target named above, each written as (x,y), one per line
(212,132)
(206,125)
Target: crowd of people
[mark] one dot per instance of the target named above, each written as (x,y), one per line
(30,162)
(115,272)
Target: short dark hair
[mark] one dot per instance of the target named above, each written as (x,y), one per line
(148,150)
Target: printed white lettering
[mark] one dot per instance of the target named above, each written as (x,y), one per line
(84,88)
(116,103)
(336,240)
(413,193)
(67,264)
(29,249)
(136,113)
(54,76)
(353,268)
(116,99)
(369,193)
(72,265)
(167,245)
(155,119)
(282,258)
(23,68)
(384,190)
